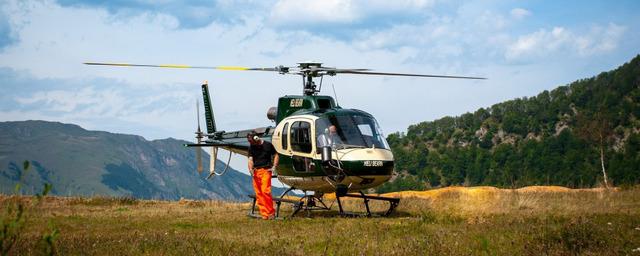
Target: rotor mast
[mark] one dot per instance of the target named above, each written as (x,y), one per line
(309,70)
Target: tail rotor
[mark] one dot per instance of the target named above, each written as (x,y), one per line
(199,136)
(211,131)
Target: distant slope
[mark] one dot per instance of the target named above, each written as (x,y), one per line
(81,162)
(550,139)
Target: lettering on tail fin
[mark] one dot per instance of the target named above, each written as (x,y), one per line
(208,110)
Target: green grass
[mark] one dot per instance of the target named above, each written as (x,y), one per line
(454,223)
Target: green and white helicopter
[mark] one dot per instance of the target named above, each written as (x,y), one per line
(323,148)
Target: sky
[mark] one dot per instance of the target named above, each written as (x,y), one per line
(522,47)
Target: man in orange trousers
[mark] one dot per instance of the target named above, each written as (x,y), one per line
(263,158)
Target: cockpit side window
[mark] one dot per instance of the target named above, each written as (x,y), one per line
(285,136)
(365,129)
(301,137)
(350,131)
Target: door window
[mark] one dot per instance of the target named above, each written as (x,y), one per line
(301,137)
(285,136)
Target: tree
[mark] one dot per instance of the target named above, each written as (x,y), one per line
(596,130)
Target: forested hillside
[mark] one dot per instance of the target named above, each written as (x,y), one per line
(559,137)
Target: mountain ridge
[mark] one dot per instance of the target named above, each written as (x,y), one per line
(81,162)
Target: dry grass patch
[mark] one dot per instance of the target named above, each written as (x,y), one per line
(451,221)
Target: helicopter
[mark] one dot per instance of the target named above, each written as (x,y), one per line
(359,158)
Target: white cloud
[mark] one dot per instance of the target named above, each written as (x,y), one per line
(470,37)
(65,101)
(560,40)
(600,39)
(538,43)
(99,104)
(519,13)
(293,13)
(379,7)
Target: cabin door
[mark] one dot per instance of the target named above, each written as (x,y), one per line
(301,145)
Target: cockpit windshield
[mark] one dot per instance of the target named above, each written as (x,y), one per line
(349,131)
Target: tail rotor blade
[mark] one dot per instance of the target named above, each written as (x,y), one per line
(198,114)
(212,162)
(199,137)
(199,158)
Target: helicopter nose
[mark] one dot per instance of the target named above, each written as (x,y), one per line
(365,154)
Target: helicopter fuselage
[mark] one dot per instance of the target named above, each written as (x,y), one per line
(357,158)
(361,157)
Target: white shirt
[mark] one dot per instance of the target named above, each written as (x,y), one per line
(328,140)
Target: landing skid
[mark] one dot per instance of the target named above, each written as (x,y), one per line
(309,203)
(393,203)
(297,206)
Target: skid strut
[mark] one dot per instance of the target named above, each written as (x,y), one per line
(393,203)
(309,203)
(297,205)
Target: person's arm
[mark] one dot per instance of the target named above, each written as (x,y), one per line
(250,163)
(276,158)
(276,161)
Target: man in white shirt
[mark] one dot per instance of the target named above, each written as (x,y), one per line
(329,138)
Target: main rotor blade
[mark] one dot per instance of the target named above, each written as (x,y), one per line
(277,69)
(282,70)
(338,71)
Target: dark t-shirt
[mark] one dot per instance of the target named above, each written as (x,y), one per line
(262,154)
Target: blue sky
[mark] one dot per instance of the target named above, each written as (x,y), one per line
(523,47)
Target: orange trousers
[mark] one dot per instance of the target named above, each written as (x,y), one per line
(262,187)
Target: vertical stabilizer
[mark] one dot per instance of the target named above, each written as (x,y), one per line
(208,110)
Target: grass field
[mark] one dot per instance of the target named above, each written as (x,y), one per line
(449,221)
